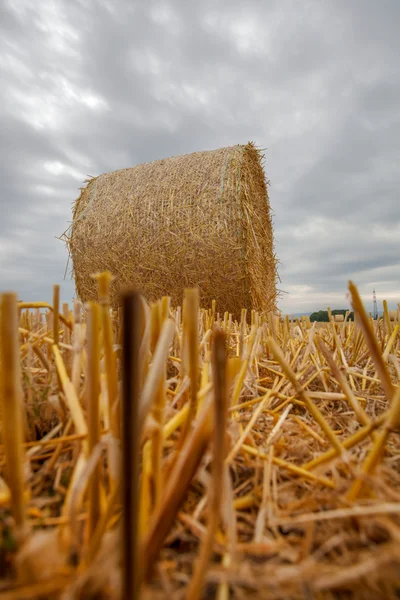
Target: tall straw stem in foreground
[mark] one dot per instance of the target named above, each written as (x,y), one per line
(104,280)
(132,318)
(220,411)
(92,402)
(386,318)
(67,335)
(11,405)
(191,335)
(149,394)
(160,315)
(77,347)
(56,314)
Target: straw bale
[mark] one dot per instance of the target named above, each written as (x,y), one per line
(339,318)
(202,219)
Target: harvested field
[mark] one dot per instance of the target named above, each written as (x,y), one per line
(214,458)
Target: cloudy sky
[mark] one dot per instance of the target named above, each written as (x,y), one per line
(89,86)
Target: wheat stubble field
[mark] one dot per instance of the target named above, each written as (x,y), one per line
(250,458)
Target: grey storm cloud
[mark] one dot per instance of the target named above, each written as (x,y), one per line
(92,86)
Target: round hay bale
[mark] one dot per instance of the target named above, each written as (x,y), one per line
(202,219)
(339,318)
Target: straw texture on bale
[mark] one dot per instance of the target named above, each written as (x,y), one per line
(202,219)
(339,318)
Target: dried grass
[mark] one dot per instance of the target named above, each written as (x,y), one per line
(202,220)
(307,502)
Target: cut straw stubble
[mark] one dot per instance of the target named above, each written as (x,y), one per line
(77,346)
(132,317)
(56,314)
(92,402)
(355,405)
(292,494)
(155,374)
(374,456)
(160,313)
(11,405)
(104,280)
(278,355)
(191,325)
(371,340)
(186,465)
(220,410)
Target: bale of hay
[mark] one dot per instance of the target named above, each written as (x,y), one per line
(339,318)
(202,219)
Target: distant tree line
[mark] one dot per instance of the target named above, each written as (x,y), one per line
(322,315)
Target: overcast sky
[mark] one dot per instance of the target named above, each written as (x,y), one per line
(92,86)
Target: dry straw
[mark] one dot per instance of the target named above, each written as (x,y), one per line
(202,219)
(283,482)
